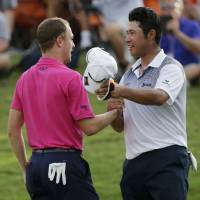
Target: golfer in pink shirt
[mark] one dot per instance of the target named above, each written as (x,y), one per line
(51,101)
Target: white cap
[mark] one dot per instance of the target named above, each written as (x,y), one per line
(101,66)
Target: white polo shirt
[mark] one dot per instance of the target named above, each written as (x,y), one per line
(149,127)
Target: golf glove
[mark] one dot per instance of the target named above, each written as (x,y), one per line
(57,171)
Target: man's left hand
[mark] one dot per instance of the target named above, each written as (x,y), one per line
(116,93)
(104,87)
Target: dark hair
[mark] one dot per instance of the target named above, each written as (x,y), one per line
(148,20)
(48,30)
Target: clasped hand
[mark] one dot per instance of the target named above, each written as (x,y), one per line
(115,102)
(104,88)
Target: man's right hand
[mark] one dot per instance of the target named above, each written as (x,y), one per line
(115,103)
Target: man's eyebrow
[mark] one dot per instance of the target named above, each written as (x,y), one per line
(129,30)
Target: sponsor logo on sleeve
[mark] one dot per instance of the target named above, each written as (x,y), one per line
(166,82)
(84,107)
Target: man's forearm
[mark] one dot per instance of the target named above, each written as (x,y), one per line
(99,122)
(18,147)
(144,96)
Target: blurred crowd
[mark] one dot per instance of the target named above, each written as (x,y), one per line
(98,23)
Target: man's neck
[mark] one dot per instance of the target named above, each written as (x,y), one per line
(53,55)
(147,58)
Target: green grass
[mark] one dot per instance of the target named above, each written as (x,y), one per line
(104,151)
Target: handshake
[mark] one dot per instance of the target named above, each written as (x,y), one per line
(98,78)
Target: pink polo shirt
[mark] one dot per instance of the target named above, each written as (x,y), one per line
(52,99)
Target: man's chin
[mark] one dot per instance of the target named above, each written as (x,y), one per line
(134,54)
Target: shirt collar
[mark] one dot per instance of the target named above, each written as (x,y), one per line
(50,61)
(156,62)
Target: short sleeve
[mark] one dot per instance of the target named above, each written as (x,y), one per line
(121,82)
(17,98)
(171,80)
(79,104)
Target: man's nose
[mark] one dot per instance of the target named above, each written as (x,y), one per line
(127,39)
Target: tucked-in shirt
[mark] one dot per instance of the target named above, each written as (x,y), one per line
(52,99)
(150,127)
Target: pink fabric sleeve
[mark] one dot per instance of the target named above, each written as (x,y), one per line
(16,100)
(79,104)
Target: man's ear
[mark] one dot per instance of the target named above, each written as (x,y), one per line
(151,35)
(59,41)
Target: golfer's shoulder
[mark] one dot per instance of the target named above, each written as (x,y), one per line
(70,75)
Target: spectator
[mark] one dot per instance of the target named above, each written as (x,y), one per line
(73,11)
(4,44)
(192,9)
(153,4)
(172,41)
(6,27)
(26,22)
(8,7)
(182,37)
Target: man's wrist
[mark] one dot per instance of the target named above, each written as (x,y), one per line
(25,165)
(121,91)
